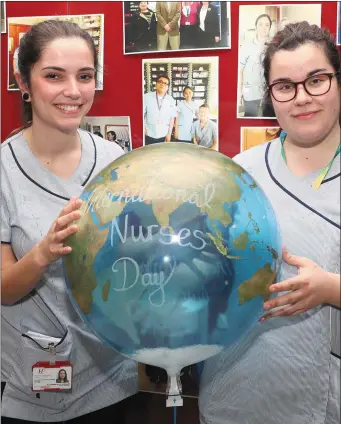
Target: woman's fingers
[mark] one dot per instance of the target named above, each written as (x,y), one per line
(63,234)
(285,299)
(73,205)
(284,311)
(65,220)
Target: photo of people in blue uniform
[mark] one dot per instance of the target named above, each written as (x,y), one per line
(180,101)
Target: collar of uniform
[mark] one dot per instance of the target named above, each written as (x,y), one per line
(34,171)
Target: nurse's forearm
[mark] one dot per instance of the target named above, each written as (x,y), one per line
(21,277)
(171,125)
(333,290)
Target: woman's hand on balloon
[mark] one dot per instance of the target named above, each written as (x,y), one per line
(306,291)
(52,246)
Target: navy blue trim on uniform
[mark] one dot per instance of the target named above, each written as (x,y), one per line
(331,178)
(5,242)
(291,194)
(45,189)
(95,161)
(336,355)
(31,179)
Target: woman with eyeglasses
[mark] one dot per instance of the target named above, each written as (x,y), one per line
(287,370)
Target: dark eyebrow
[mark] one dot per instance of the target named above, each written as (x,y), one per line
(57,68)
(309,74)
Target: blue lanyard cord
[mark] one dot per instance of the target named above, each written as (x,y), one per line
(318,181)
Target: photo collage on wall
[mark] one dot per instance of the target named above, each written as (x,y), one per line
(188,84)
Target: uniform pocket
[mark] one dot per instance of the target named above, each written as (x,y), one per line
(32,352)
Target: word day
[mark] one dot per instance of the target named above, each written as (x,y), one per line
(131,275)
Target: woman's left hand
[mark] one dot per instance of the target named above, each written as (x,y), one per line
(306,291)
(217,39)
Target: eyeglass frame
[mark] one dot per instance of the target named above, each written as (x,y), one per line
(330,75)
(162,82)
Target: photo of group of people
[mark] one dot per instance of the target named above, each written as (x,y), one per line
(17,27)
(161,26)
(257,25)
(3,17)
(180,100)
(113,128)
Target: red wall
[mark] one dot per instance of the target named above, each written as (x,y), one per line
(122,94)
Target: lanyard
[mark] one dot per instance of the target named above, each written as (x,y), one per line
(159,106)
(318,181)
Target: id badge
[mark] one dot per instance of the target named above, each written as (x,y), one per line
(51,377)
(187,23)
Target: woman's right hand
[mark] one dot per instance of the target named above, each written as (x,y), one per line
(52,247)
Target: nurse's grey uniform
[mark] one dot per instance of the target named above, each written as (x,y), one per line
(284,372)
(186,113)
(31,199)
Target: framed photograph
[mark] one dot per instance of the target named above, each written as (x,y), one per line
(338,25)
(160,26)
(17,27)
(113,128)
(253,136)
(181,100)
(3,17)
(257,25)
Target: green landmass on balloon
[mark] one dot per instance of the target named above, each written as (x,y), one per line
(257,285)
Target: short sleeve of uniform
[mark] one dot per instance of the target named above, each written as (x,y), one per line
(173,108)
(5,215)
(107,152)
(193,129)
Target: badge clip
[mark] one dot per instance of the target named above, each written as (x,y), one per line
(52,350)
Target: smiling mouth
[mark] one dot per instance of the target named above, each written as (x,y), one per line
(306,115)
(69,108)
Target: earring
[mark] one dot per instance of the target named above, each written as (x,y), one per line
(25,96)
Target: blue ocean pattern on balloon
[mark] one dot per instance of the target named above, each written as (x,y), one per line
(176,248)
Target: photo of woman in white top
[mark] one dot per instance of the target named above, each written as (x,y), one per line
(187,112)
(251,81)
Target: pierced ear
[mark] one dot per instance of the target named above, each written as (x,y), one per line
(21,84)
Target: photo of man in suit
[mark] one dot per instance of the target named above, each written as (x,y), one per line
(167,29)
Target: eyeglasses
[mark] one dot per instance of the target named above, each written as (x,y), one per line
(317,85)
(162,82)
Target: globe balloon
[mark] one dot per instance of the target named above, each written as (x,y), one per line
(176,249)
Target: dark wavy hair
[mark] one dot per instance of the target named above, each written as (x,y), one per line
(33,43)
(295,35)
